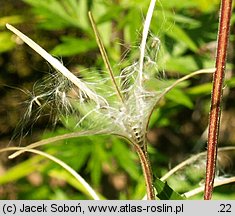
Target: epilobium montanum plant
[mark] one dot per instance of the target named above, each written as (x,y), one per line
(119,105)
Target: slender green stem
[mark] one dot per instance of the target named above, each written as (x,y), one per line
(87,188)
(216,98)
(216,184)
(166,90)
(56,139)
(191,160)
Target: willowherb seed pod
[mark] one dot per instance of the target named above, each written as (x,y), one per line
(138,135)
(136,132)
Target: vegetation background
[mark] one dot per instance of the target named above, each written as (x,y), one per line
(187,31)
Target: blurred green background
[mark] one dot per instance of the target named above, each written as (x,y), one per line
(188,32)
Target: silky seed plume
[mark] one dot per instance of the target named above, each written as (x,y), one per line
(128,115)
(58,66)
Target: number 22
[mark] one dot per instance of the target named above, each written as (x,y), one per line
(225,208)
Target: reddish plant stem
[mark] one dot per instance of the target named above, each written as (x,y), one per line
(146,167)
(217,91)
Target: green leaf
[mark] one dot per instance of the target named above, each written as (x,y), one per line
(183,64)
(71,46)
(14,19)
(198,5)
(124,157)
(132,24)
(204,6)
(5,42)
(63,175)
(230,82)
(110,14)
(165,192)
(179,4)
(177,33)
(178,96)
(158,119)
(179,18)
(97,159)
(21,170)
(60,14)
(200,89)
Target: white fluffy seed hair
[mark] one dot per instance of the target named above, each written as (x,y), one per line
(58,66)
(127,117)
(94,106)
